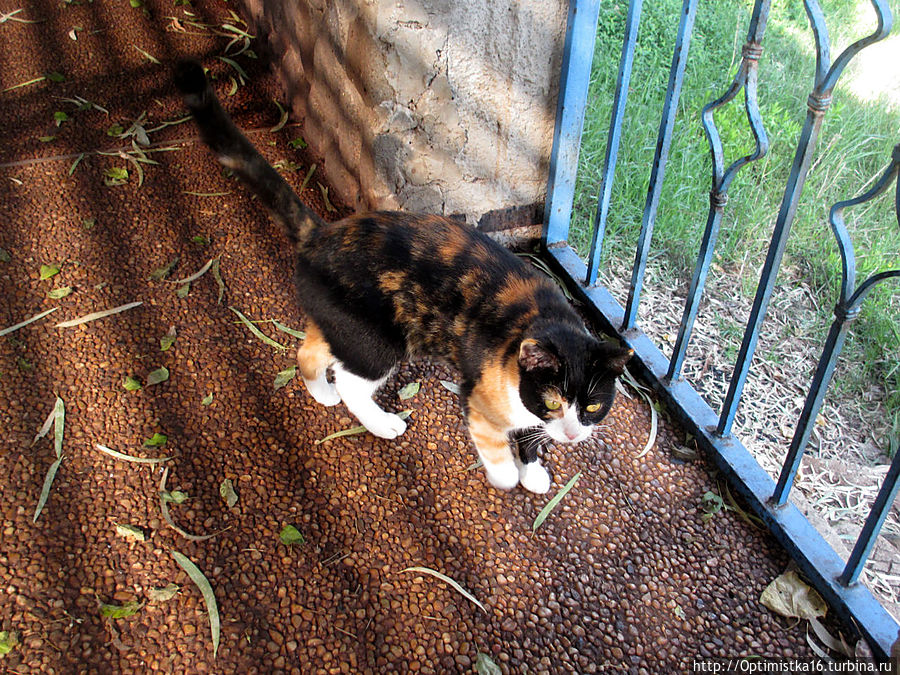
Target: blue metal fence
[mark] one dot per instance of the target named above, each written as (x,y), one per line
(837,581)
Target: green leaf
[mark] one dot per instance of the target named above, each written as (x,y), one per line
(4,255)
(120,611)
(298,143)
(162,272)
(282,119)
(115,175)
(59,293)
(182,291)
(553,503)
(173,496)
(49,271)
(166,342)
(55,76)
(115,130)
(409,391)
(285,376)
(157,376)
(88,223)
(299,334)
(711,503)
(131,532)
(484,665)
(455,585)
(290,535)
(136,4)
(46,139)
(200,239)
(208,596)
(256,331)
(59,117)
(157,440)
(226,491)
(130,383)
(207,400)
(8,640)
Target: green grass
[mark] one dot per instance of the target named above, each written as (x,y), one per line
(853,148)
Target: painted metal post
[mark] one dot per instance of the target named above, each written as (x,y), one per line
(581,27)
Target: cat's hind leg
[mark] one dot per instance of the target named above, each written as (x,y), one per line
(314,358)
(357,393)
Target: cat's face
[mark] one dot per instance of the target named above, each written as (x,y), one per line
(567,380)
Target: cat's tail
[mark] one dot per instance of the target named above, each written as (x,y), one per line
(235,152)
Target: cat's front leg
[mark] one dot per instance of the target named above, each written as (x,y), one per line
(532,475)
(494,450)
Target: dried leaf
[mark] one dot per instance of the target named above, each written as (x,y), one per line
(45,490)
(98,315)
(208,596)
(36,317)
(553,503)
(59,293)
(159,375)
(173,496)
(59,421)
(131,532)
(309,175)
(45,427)
(167,340)
(182,291)
(120,611)
(282,120)
(256,331)
(356,431)
(790,596)
(157,440)
(196,275)
(48,271)
(290,535)
(130,383)
(164,508)
(163,594)
(459,589)
(217,275)
(285,376)
(226,491)
(409,391)
(4,255)
(129,458)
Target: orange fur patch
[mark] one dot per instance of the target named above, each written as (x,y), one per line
(314,355)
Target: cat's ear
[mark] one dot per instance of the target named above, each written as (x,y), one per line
(618,358)
(533,356)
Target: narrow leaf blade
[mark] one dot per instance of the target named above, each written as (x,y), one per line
(206,591)
(553,503)
(443,577)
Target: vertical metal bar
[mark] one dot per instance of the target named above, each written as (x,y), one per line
(880,507)
(663,143)
(745,78)
(818,102)
(623,82)
(578,53)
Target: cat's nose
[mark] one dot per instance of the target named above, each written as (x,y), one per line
(572,435)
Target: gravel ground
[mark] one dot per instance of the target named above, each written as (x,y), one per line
(624,575)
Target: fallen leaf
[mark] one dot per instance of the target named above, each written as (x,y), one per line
(256,331)
(157,440)
(196,275)
(162,272)
(157,376)
(552,504)
(208,596)
(173,496)
(299,334)
(443,577)
(98,315)
(790,596)
(182,291)
(285,376)
(356,431)
(290,535)
(48,271)
(163,594)
(484,665)
(409,391)
(131,532)
(8,640)
(36,317)
(226,490)
(207,400)
(130,458)
(4,255)
(217,275)
(59,293)
(120,611)
(130,383)
(167,340)
(45,490)
(451,386)
(164,508)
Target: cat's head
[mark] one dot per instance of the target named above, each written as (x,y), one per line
(567,378)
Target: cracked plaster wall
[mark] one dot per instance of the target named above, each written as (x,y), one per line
(425,105)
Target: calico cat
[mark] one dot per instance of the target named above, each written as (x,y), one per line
(385,286)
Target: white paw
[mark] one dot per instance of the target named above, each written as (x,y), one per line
(534,477)
(386,425)
(322,391)
(504,475)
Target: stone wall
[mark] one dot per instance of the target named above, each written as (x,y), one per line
(425,105)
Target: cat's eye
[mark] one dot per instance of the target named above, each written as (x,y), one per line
(552,404)
(593,407)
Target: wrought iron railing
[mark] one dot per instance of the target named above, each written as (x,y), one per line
(837,581)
